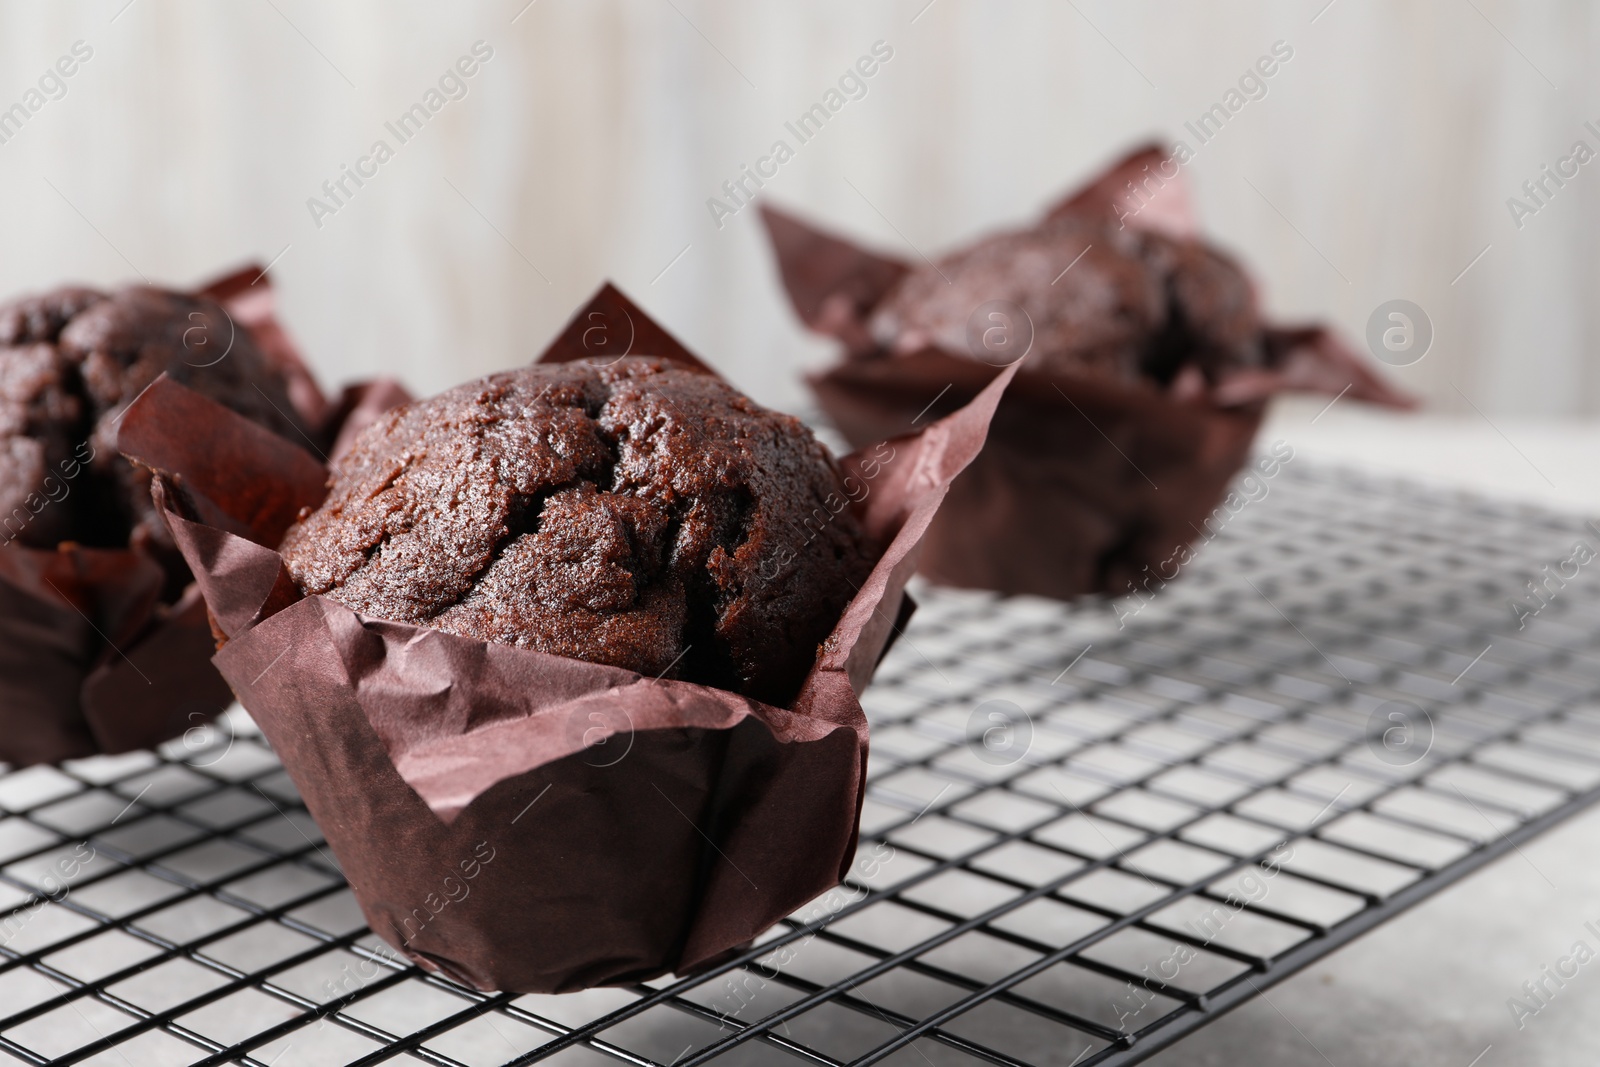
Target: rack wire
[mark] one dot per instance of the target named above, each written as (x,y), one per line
(1090,830)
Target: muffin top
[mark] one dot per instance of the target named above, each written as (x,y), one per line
(70,361)
(638,515)
(1103,300)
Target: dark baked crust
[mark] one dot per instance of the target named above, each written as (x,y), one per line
(638,515)
(39,319)
(1212,318)
(1132,303)
(70,361)
(42,421)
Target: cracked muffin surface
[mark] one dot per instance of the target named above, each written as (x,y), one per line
(70,361)
(638,515)
(1103,301)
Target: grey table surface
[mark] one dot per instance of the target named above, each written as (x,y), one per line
(1432,987)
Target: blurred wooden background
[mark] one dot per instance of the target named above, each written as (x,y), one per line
(1377,165)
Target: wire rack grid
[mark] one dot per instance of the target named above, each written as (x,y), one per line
(1089,830)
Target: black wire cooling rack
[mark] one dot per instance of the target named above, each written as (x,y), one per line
(1089,830)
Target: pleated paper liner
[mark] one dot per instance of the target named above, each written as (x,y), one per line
(519,820)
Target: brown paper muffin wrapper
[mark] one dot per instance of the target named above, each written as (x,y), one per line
(525,821)
(1087,485)
(91,660)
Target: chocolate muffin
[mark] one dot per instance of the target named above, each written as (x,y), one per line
(70,361)
(638,515)
(1104,301)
